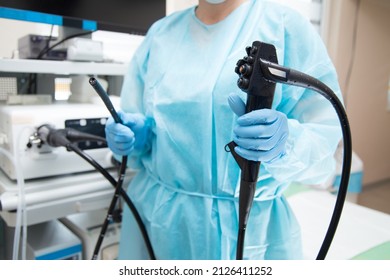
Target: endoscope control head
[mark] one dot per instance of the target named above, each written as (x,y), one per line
(251,79)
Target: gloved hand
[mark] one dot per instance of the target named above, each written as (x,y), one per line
(261,135)
(122,139)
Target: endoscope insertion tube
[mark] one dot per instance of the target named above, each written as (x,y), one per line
(118,190)
(276,73)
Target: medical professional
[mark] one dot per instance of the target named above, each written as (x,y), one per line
(180,107)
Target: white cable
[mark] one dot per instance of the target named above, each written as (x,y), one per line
(21,212)
(20,206)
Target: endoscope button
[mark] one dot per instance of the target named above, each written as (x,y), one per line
(243,83)
(248,50)
(253,50)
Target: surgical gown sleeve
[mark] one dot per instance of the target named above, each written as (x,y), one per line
(314,129)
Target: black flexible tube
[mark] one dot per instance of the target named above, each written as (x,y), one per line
(107,102)
(301,79)
(247,192)
(122,192)
(104,96)
(343,188)
(111,208)
(90,160)
(277,73)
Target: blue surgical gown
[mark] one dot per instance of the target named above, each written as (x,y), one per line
(186,188)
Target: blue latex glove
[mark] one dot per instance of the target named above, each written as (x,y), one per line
(261,135)
(122,139)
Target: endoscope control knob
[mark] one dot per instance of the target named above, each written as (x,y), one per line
(253,51)
(243,83)
(245,69)
(238,65)
(248,50)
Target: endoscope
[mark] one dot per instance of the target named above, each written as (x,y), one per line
(258,74)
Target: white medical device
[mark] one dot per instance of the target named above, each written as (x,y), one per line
(36,160)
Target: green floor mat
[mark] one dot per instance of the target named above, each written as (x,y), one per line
(380,252)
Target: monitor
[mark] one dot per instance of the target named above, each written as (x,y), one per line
(128,16)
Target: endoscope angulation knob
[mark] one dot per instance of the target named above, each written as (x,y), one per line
(244,67)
